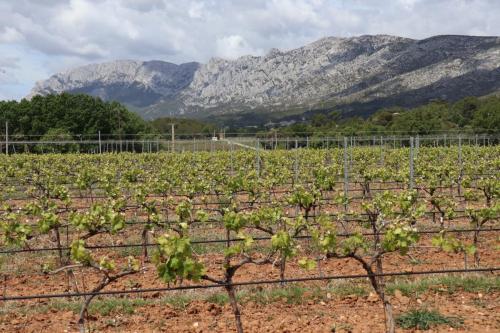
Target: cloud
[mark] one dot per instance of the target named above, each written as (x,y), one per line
(7,66)
(234,46)
(9,62)
(10,35)
(59,34)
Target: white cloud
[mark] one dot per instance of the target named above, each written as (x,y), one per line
(63,33)
(10,35)
(234,46)
(196,10)
(408,4)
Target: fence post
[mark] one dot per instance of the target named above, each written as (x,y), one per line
(346,173)
(411,163)
(460,164)
(6,138)
(257,162)
(381,151)
(417,146)
(351,152)
(296,164)
(100,148)
(173,136)
(231,148)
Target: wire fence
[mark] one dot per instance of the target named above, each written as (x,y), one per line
(153,143)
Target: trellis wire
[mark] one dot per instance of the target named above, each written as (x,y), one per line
(245,283)
(212,241)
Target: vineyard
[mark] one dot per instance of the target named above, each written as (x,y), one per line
(317,238)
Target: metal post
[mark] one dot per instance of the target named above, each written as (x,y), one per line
(257,162)
(6,138)
(411,163)
(100,148)
(346,172)
(417,146)
(460,164)
(231,149)
(296,163)
(173,137)
(351,153)
(381,151)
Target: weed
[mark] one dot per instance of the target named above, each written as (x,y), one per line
(218,298)
(424,319)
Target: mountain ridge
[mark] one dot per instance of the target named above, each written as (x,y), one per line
(365,72)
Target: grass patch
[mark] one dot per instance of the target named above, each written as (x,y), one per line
(178,302)
(61,305)
(290,293)
(424,319)
(345,288)
(218,298)
(107,306)
(471,284)
(449,284)
(103,306)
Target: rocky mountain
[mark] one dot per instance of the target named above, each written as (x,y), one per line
(137,83)
(359,74)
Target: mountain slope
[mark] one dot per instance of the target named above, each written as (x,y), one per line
(139,83)
(358,74)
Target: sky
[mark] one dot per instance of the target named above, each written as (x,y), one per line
(41,37)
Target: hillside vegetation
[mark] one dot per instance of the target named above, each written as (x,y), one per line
(56,116)
(470,114)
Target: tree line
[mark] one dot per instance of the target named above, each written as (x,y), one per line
(471,114)
(67,115)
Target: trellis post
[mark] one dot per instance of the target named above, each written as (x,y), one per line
(6,138)
(346,173)
(100,148)
(411,163)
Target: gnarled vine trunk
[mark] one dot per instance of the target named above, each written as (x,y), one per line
(234,305)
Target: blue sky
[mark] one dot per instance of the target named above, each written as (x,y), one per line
(41,37)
